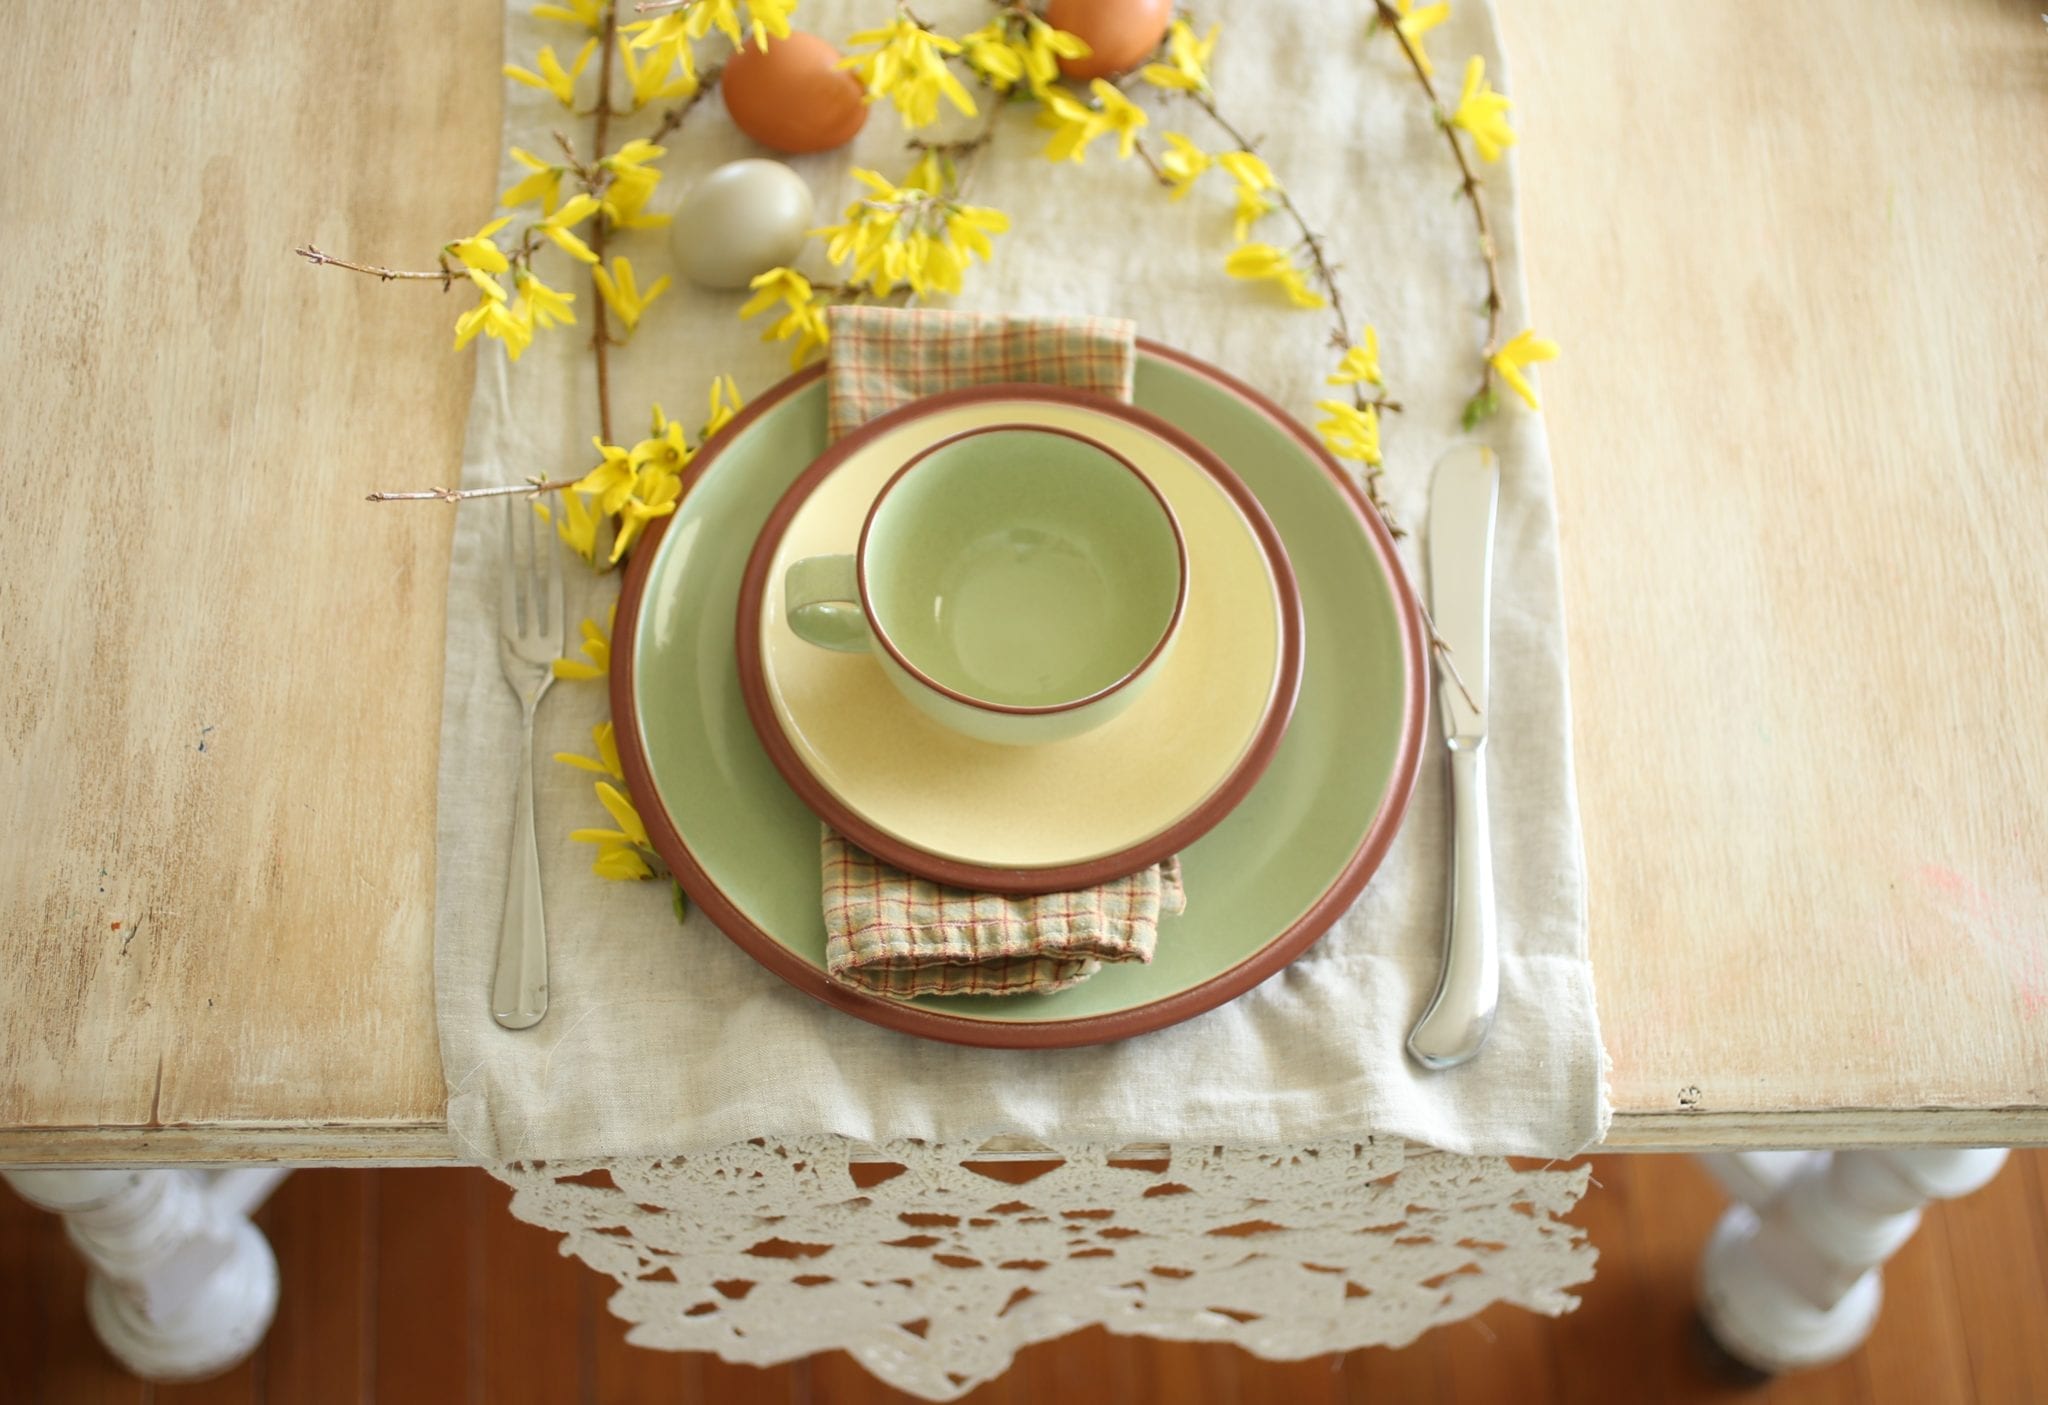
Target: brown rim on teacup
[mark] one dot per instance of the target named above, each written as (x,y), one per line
(1269,959)
(1129,676)
(1199,819)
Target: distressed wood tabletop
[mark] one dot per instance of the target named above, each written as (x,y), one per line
(1794,256)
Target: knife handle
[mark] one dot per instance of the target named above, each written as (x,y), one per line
(1468,990)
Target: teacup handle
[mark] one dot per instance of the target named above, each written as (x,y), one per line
(821,599)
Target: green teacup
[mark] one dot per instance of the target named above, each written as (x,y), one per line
(1018,584)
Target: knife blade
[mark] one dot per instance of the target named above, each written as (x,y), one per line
(1464,495)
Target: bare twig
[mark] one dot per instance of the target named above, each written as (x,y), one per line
(532,487)
(966,154)
(1151,162)
(444,275)
(1445,655)
(601,338)
(673,118)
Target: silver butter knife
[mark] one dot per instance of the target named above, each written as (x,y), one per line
(1463,495)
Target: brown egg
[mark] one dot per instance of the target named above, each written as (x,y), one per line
(793,96)
(1121,34)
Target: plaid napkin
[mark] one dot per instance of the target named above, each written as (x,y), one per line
(892,933)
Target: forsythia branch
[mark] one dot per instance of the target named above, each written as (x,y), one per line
(673,118)
(532,487)
(444,275)
(1327,277)
(602,336)
(1391,19)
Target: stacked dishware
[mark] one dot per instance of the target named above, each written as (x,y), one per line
(1025,639)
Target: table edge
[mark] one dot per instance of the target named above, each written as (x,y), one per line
(430,1143)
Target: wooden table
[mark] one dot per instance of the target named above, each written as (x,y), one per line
(1793,253)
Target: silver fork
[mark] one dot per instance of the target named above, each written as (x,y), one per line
(530,635)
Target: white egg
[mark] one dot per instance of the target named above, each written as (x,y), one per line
(743,219)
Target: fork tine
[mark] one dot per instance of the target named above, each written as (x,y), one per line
(508,581)
(559,620)
(534,625)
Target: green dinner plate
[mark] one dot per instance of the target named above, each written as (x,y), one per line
(1262,885)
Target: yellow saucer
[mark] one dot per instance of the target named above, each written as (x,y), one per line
(1105,793)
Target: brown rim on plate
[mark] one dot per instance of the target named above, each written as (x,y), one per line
(1204,816)
(1047,1034)
(867,604)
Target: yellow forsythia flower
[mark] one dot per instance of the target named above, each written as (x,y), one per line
(1042,50)
(621,852)
(597,646)
(1188,69)
(607,762)
(495,318)
(907,66)
(656,79)
(664,451)
(669,38)
(1417,21)
(543,186)
(633,179)
(1351,432)
(928,175)
(968,228)
(1264,262)
(1254,180)
(553,78)
(1361,363)
(549,307)
(1016,47)
(701,15)
(769,17)
(1183,163)
(990,53)
(1120,115)
(621,863)
(611,482)
(621,291)
(576,209)
(481,257)
(725,404)
(909,234)
(654,494)
(622,812)
(1525,349)
(698,17)
(625,206)
(588,13)
(635,486)
(1072,123)
(1483,112)
(803,322)
(1020,48)
(577,526)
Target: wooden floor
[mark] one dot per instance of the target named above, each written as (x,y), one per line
(404,1286)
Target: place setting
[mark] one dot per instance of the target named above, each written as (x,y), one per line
(1051,683)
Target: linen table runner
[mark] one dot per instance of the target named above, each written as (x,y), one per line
(663,1039)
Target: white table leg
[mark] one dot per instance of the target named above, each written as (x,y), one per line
(183,1286)
(1791,1275)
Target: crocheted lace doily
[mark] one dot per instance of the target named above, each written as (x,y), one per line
(933,1264)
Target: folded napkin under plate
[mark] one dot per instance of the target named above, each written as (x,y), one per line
(1043,824)
(890,932)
